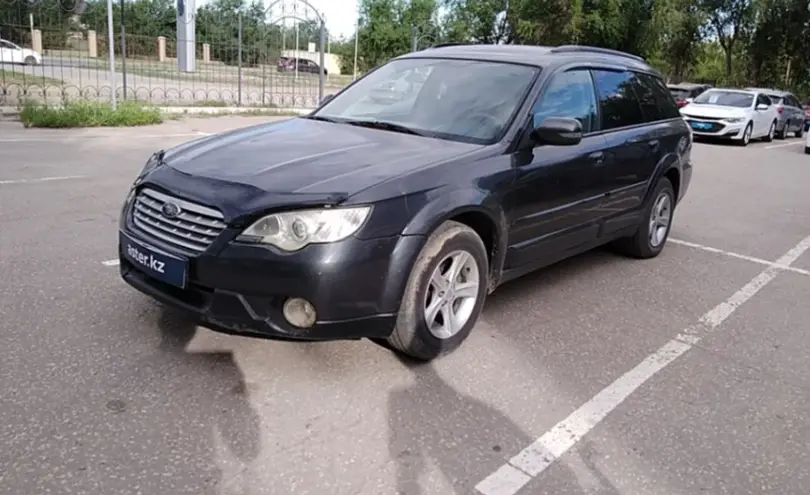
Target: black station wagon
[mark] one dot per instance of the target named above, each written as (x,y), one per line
(394,219)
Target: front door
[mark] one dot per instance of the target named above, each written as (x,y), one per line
(559,189)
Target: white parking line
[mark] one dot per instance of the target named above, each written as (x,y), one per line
(752,259)
(41,179)
(111,262)
(538,456)
(782,145)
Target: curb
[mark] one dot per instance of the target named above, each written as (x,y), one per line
(14,112)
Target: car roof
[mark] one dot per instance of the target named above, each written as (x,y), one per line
(770,91)
(736,90)
(535,55)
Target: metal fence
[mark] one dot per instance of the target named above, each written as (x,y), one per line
(239,56)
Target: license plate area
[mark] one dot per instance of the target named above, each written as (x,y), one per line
(154,262)
(701,126)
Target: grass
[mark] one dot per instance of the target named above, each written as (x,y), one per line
(22,79)
(89,114)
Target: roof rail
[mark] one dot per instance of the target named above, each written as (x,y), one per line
(595,49)
(442,45)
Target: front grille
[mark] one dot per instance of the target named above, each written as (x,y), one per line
(700,117)
(193,229)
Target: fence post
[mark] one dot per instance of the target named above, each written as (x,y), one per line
(161,48)
(123,51)
(111,50)
(321,75)
(206,53)
(92,44)
(36,40)
(239,61)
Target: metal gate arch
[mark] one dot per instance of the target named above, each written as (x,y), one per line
(322,35)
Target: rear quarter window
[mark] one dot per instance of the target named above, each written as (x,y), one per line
(656,101)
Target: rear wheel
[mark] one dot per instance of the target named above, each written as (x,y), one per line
(29,60)
(783,133)
(652,234)
(444,295)
(800,131)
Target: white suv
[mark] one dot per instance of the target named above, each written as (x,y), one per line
(13,54)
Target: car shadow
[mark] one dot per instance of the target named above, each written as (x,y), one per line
(233,419)
(431,424)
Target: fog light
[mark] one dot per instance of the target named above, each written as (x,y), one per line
(299,312)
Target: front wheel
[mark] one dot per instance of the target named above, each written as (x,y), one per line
(652,234)
(746,137)
(444,295)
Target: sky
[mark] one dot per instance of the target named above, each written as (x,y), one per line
(340,14)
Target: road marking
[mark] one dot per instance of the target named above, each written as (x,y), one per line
(41,179)
(541,454)
(731,254)
(111,262)
(782,145)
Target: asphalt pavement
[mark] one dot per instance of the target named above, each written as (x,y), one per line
(683,374)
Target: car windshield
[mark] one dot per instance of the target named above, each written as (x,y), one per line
(725,98)
(462,100)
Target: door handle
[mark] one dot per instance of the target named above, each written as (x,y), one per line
(598,157)
(654,144)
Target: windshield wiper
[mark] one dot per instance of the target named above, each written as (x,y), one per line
(386,126)
(323,119)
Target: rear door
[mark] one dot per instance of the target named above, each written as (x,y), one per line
(796,112)
(631,144)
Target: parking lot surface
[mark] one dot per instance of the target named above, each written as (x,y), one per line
(682,374)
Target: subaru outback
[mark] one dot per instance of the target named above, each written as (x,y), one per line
(394,220)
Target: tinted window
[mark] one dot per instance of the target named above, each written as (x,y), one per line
(656,103)
(618,105)
(764,100)
(568,94)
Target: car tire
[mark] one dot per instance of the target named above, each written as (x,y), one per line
(800,131)
(769,137)
(807,150)
(749,129)
(451,243)
(783,133)
(29,60)
(652,234)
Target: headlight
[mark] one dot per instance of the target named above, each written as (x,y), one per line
(734,120)
(291,231)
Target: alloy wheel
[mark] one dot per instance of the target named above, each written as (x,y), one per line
(451,294)
(660,218)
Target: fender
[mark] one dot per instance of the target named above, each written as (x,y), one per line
(441,205)
(665,164)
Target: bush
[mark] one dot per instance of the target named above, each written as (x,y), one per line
(89,114)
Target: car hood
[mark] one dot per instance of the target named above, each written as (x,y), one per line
(717,111)
(307,156)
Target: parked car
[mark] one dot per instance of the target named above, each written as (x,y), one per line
(287,64)
(789,111)
(396,223)
(686,92)
(14,54)
(735,114)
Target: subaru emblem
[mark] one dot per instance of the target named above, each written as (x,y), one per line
(170,210)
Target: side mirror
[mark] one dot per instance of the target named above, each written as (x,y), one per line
(558,131)
(762,107)
(689,100)
(326,98)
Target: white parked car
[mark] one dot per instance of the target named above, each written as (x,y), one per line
(734,114)
(13,54)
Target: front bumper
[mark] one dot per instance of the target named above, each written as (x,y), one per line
(355,286)
(717,129)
